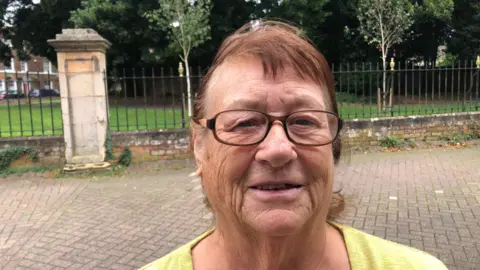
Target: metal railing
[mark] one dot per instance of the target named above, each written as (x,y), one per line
(409,89)
(149,99)
(156,98)
(24,111)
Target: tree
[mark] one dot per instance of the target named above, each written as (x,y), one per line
(226,17)
(342,26)
(187,23)
(309,15)
(431,28)
(5,51)
(31,24)
(122,23)
(465,40)
(384,23)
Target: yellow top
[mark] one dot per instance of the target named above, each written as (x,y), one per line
(364,251)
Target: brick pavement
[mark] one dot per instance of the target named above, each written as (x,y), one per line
(426,199)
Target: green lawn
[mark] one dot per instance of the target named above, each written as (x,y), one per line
(25,120)
(36,120)
(352,111)
(123,119)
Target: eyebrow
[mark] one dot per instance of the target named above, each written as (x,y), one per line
(302,101)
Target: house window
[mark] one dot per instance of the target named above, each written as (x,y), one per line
(47,66)
(11,84)
(10,67)
(23,66)
(48,84)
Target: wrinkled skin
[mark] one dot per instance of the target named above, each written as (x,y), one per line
(271,230)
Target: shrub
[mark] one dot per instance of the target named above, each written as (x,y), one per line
(10,154)
(389,142)
(125,158)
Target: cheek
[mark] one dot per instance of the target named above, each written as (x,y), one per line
(224,174)
(319,164)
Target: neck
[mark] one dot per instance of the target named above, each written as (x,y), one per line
(243,249)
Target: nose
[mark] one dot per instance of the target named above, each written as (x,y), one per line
(276,149)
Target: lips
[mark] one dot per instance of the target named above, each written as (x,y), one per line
(275,186)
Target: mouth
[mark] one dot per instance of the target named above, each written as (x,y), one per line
(274,187)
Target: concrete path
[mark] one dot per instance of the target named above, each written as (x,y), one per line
(428,199)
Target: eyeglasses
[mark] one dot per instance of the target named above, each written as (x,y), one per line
(248,127)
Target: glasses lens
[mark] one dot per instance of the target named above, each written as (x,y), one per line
(312,127)
(241,127)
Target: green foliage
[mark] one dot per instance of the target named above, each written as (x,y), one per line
(123,24)
(384,23)
(108,146)
(225,17)
(440,9)
(389,142)
(446,60)
(31,25)
(186,23)
(465,39)
(461,139)
(10,154)
(125,158)
(136,27)
(309,15)
(431,28)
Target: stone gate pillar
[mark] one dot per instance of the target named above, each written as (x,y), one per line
(81,65)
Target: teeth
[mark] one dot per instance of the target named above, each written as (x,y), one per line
(275,187)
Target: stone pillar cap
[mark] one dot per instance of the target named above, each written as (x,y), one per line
(79,40)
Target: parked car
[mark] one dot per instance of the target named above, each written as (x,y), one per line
(10,94)
(35,93)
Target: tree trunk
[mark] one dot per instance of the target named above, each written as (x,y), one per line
(384,82)
(189,91)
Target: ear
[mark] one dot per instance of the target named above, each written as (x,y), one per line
(198,151)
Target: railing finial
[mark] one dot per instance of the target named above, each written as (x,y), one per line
(180,69)
(392,64)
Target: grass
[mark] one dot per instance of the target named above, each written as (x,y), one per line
(352,111)
(35,120)
(24,120)
(46,119)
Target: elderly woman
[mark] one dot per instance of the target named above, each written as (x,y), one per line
(265,138)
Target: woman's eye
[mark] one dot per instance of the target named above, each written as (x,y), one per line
(302,122)
(246,124)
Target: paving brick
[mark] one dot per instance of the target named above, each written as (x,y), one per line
(123,223)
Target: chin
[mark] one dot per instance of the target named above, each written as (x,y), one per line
(278,222)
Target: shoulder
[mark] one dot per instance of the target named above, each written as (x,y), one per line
(370,252)
(179,259)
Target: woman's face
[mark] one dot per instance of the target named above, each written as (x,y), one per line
(234,175)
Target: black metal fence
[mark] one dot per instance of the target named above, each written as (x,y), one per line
(152,99)
(409,89)
(156,98)
(29,104)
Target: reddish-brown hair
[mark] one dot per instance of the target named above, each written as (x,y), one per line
(278,45)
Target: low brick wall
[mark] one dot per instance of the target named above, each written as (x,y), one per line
(429,128)
(153,145)
(145,146)
(51,149)
(174,144)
